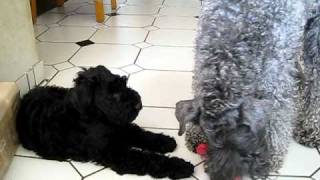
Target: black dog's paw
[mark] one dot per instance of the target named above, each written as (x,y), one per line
(180,168)
(166,144)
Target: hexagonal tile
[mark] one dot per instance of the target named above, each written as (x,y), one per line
(317,175)
(50,18)
(67,34)
(130,21)
(300,161)
(53,53)
(107,55)
(31,169)
(167,58)
(120,35)
(164,37)
(38,29)
(182,3)
(176,22)
(179,11)
(151,28)
(86,168)
(200,173)
(79,20)
(144,2)
(132,69)
(138,10)
(66,8)
(152,117)
(64,65)
(65,78)
(109,174)
(90,9)
(49,72)
(162,88)
(21,151)
(143,45)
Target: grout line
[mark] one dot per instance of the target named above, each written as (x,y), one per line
(137,56)
(31,157)
(94,172)
(163,107)
(315,172)
(173,129)
(75,168)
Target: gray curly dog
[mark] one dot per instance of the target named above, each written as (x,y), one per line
(256,84)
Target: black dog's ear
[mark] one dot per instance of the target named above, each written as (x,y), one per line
(81,98)
(186,111)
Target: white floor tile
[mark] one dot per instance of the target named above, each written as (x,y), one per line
(130,21)
(113,56)
(86,168)
(179,11)
(168,22)
(167,58)
(65,78)
(157,118)
(67,34)
(50,18)
(79,20)
(162,88)
(144,2)
(64,65)
(23,85)
(200,174)
(300,161)
(24,152)
(143,45)
(182,3)
(109,174)
(164,37)
(49,72)
(53,53)
(37,169)
(38,29)
(67,9)
(120,35)
(90,9)
(131,69)
(139,10)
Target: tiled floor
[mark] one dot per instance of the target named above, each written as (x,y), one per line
(151,42)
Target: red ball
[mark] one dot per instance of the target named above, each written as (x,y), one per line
(202,149)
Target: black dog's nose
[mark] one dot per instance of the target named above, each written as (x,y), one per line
(139,106)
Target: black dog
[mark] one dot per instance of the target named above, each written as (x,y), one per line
(92,122)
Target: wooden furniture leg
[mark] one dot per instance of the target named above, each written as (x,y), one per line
(33,4)
(59,3)
(99,11)
(113,4)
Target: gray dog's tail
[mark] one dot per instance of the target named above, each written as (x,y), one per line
(307,131)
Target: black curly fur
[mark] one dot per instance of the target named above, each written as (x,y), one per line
(92,122)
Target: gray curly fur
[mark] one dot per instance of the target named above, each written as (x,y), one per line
(249,85)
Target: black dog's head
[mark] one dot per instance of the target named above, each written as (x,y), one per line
(99,92)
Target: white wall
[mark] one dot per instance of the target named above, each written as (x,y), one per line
(19,59)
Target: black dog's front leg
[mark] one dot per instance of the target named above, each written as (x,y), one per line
(141,163)
(150,141)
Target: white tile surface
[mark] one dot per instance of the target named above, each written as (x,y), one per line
(129,21)
(182,3)
(132,69)
(164,118)
(67,34)
(50,18)
(162,88)
(39,72)
(164,37)
(139,10)
(168,22)
(90,9)
(167,58)
(144,2)
(23,85)
(179,11)
(103,54)
(79,20)
(143,45)
(49,72)
(200,174)
(65,78)
(66,9)
(64,65)
(120,35)
(86,168)
(300,161)
(38,169)
(24,152)
(53,53)
(31,78)
(38,29)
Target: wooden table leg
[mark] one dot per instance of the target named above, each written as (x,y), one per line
(33,4)
(113,4)
(99,11)
(59,3)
